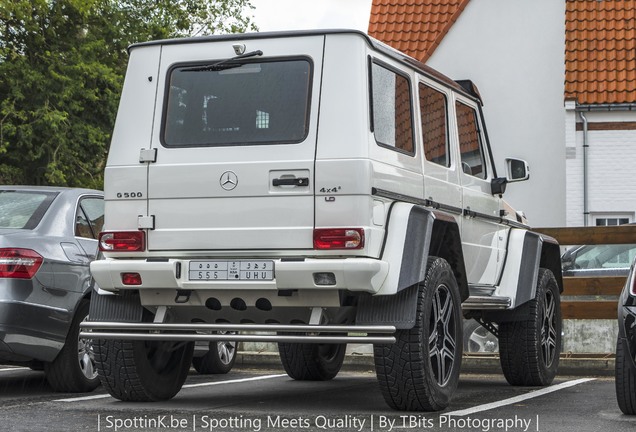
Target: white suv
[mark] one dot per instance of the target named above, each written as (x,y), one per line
(326,189)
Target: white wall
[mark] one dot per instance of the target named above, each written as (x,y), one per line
(611,168)
(514,51)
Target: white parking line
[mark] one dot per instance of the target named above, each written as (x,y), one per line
(516,399)
(206,384)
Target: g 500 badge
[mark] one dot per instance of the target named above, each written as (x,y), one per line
(126,195)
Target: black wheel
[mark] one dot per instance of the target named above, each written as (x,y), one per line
(420,372)
(529,349)
(218,360)
(143,371)
(73,370)
(625,379)
(312,362)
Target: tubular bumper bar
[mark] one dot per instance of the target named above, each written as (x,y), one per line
(207,332)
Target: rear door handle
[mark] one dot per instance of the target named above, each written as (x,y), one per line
(296,181)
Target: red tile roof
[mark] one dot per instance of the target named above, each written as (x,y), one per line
(600,47)
(600,51)
(415,27)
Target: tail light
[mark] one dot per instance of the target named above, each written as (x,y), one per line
(633,287)
(122,241)
(18,263)
(339,238)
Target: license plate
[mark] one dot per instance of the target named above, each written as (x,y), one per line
(231,270)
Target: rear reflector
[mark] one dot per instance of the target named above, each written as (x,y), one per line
(131,278)
(18,263)
(339,238)
(122,241)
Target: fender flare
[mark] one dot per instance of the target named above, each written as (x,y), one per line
(413,234)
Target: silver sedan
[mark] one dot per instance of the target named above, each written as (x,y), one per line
(47,240)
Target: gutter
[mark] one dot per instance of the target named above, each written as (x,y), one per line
(586,210)
(605,107)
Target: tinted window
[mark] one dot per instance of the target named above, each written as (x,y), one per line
(23,209)
(392,116)
(434,129)
(470,141)
(252,103)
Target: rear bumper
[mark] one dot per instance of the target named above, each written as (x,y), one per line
(353,274)
(31,331)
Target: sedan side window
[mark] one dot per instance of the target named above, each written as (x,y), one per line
(90,218)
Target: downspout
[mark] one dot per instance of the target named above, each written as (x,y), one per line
(586,210)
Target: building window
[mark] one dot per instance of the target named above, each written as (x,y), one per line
(611,221)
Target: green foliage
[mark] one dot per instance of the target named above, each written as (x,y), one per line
(62,64)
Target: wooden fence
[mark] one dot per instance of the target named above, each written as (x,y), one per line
(606,288)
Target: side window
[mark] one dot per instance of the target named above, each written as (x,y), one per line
(470,141)
(90,218)
(392,114)
(434,125)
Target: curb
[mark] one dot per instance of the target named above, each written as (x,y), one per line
(569,364)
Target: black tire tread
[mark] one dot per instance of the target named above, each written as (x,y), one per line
(402,378)
(302,363)
(119,372)
(519,344)
(625,379)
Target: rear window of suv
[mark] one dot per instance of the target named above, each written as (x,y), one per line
(241,104)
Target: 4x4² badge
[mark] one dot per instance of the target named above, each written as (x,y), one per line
(228,180)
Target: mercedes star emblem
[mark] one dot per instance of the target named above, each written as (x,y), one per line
(229,180)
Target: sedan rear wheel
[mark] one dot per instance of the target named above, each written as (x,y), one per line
(73,370)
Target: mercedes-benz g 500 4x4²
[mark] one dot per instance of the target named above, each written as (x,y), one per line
(311,189)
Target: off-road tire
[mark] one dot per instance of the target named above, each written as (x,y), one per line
(312,362)
(143,371)
(73,370)
(529,349)
(625,379)
(219,359)
(420,372)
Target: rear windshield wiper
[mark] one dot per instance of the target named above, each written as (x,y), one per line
(224,64)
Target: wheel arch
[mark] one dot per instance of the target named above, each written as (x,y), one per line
(414,233)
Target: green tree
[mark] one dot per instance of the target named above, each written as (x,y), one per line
(62,64)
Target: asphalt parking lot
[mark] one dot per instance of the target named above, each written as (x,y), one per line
(265,399)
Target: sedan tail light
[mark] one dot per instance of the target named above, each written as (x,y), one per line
(122,241)
(339,238)
(18,263)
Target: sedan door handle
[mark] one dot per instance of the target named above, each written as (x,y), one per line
(299,181)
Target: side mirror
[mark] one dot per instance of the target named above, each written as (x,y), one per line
(517,170)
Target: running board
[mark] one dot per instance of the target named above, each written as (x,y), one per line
(209,332)
(486,303)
